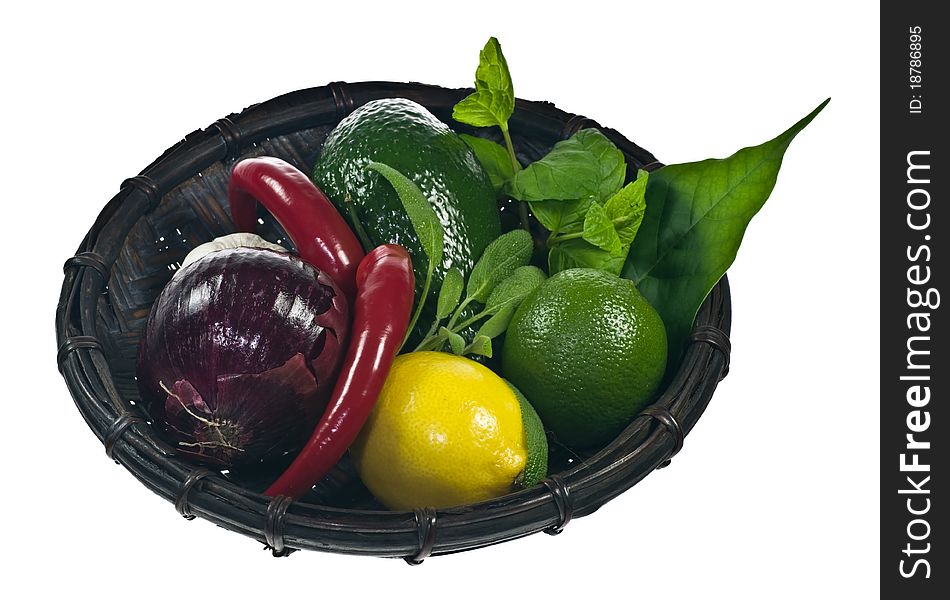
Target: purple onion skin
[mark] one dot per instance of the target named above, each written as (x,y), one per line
(240,355)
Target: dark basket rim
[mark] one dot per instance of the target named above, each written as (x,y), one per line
(646,444)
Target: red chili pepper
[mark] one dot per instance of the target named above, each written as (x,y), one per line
(320,234)
(385,290)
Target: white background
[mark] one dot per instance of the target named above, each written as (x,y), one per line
(776,492)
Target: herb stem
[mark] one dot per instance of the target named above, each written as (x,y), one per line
(428,336)
(421,303)
(555,239)
(431,343)
(515,166)
(469,321)
(358,225)
(458,313)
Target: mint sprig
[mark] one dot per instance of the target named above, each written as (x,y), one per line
(492,104)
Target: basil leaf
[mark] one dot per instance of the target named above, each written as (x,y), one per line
(456,342)
(497,324)
(494,159)
(572,254)
(625,208)
(424,221)
(500,259)
(515,288)
(560,215)
(494,98)
(480,345)
(599,230)
(586,165)
(695,218)
(450,293)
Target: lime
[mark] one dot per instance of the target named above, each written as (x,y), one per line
(588,351)
(447,431)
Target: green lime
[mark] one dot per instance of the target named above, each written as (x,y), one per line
(536,466)
(588,351)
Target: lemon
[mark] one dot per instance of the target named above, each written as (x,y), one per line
(447,431)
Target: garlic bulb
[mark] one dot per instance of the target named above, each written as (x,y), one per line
(234,240)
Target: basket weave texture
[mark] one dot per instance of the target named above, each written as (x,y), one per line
(179,201)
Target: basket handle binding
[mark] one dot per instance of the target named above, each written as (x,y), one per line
(716,338)
(181,500)
(425,525)
(274,526)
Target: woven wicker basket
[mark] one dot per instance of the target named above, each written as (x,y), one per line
(179,201)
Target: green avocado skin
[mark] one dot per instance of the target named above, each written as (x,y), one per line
(407,137)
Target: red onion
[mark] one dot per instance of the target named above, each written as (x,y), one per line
(240,354)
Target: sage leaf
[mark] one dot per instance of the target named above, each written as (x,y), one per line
(599,230)
(497,324)
(578,253)
(456,341)
(695,218)
(585,166)
(426,224)
(480,345)
(500,259)
(513,289)
(494,159)
(424,220)
(626,208)
(451,292)
(493,100)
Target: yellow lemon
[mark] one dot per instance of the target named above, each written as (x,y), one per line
(446,431)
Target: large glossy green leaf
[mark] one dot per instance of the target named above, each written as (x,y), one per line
(696,215)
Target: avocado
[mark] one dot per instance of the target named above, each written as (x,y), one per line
(407,137)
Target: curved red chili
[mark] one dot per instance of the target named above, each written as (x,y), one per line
(321,235)
(385,290)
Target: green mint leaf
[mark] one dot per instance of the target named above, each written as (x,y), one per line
(451,292)
(626,208)
(500,259)
(494,98)
(585,166)
(513,289)
(599,230)
(480,345)
(559,215)
(456,342)
(494,159)
(424,220)
(695,218)
(497,324)
(571,254)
